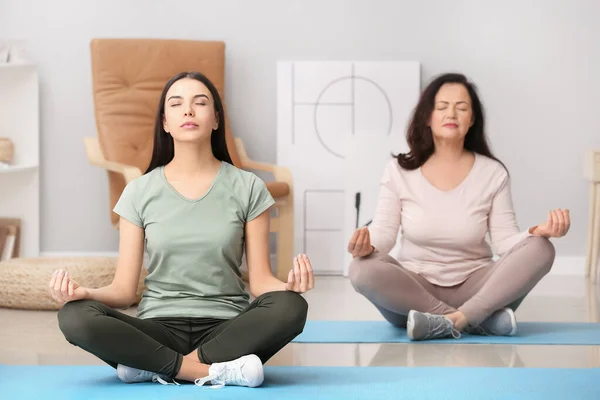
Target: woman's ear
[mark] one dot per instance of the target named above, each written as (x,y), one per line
(216,125)
(165,126)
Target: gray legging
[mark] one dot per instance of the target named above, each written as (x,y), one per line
(159,344)
(395,291)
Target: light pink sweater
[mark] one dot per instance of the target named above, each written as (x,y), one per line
(444,232)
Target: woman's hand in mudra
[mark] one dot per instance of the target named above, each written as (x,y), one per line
(64,289)
(557,225)
(360,243)
(300,278)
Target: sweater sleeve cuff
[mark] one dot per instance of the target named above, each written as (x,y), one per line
(525,234)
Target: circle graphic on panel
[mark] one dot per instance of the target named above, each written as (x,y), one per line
(370,108)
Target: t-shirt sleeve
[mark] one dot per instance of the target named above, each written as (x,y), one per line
(260,199)
(127,205)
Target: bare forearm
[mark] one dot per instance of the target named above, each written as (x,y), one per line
(112,296)
(266,284)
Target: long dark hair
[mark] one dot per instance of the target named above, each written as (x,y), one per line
(164,150)
(419,136)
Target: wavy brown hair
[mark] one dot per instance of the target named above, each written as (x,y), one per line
(419,136)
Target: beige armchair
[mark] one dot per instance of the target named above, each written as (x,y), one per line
(128,76)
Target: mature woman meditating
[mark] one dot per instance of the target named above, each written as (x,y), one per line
(447,193)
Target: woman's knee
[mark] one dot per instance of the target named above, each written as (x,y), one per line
(291,309)
(355,271)
(73,321)
(544,251)
(361,270)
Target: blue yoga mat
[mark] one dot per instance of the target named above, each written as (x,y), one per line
(529,333)
(314,383)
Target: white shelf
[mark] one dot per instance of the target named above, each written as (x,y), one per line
(16,168)
(17,65)
(20,181)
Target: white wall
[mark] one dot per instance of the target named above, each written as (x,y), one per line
(536,64)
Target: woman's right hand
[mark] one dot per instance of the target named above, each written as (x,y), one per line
(64,289)
(360,243)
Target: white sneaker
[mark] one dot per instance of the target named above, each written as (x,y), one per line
(134,375)
(244,371)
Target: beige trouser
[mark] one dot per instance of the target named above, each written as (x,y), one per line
(395,291)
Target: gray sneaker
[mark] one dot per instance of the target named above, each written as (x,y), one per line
(500,323)
(134,375)
(424,326)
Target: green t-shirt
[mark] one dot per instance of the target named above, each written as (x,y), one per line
(195,247)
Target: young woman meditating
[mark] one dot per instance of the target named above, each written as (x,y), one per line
(196,214)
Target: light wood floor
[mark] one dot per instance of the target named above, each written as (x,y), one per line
(33,337)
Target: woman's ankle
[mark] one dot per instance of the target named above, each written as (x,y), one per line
(191,370)
(459,320)
(193,356)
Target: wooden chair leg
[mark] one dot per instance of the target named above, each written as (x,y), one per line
(592,299)
(595,236)
(285,241)
(591,239)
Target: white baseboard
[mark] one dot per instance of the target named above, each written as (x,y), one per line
(567,265)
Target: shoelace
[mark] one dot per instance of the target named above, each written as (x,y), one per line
(440,325)
(230,372)
(156,378)
(477,330)
(217,383)
(144,376)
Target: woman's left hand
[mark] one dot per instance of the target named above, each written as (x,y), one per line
(300,278)
(557,225)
